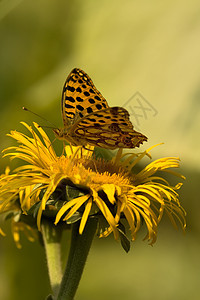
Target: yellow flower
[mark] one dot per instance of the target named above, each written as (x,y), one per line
(77,185)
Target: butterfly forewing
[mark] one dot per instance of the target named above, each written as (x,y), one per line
(80,97)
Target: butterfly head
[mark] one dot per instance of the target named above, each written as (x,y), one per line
(59,133)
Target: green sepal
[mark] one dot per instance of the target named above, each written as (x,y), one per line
(74,218)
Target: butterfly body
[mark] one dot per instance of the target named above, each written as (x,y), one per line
(89,120)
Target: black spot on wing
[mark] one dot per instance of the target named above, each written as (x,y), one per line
(97,98)
(79,90)
(71,99)
(70,88)
(68,105)
(98,106)
(92,101)
(91,120)
(79,107)
(89,110)
(79,99)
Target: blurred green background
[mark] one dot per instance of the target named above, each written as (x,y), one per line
(150,47)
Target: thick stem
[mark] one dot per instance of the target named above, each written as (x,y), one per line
(79,249)
(52,242)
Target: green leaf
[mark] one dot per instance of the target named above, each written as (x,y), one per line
(123,238)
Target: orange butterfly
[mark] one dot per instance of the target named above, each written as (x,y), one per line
(88,120)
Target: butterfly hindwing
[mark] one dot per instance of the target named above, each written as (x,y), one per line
(109,128)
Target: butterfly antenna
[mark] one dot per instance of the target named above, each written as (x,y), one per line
(26,109)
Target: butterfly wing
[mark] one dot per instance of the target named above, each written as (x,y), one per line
(80,97)
(110,128)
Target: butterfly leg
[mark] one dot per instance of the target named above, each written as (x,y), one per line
(95,166)
(63,148)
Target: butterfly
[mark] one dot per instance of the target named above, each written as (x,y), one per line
(88,120)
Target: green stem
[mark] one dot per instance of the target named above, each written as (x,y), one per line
(52,242)
(79,249)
